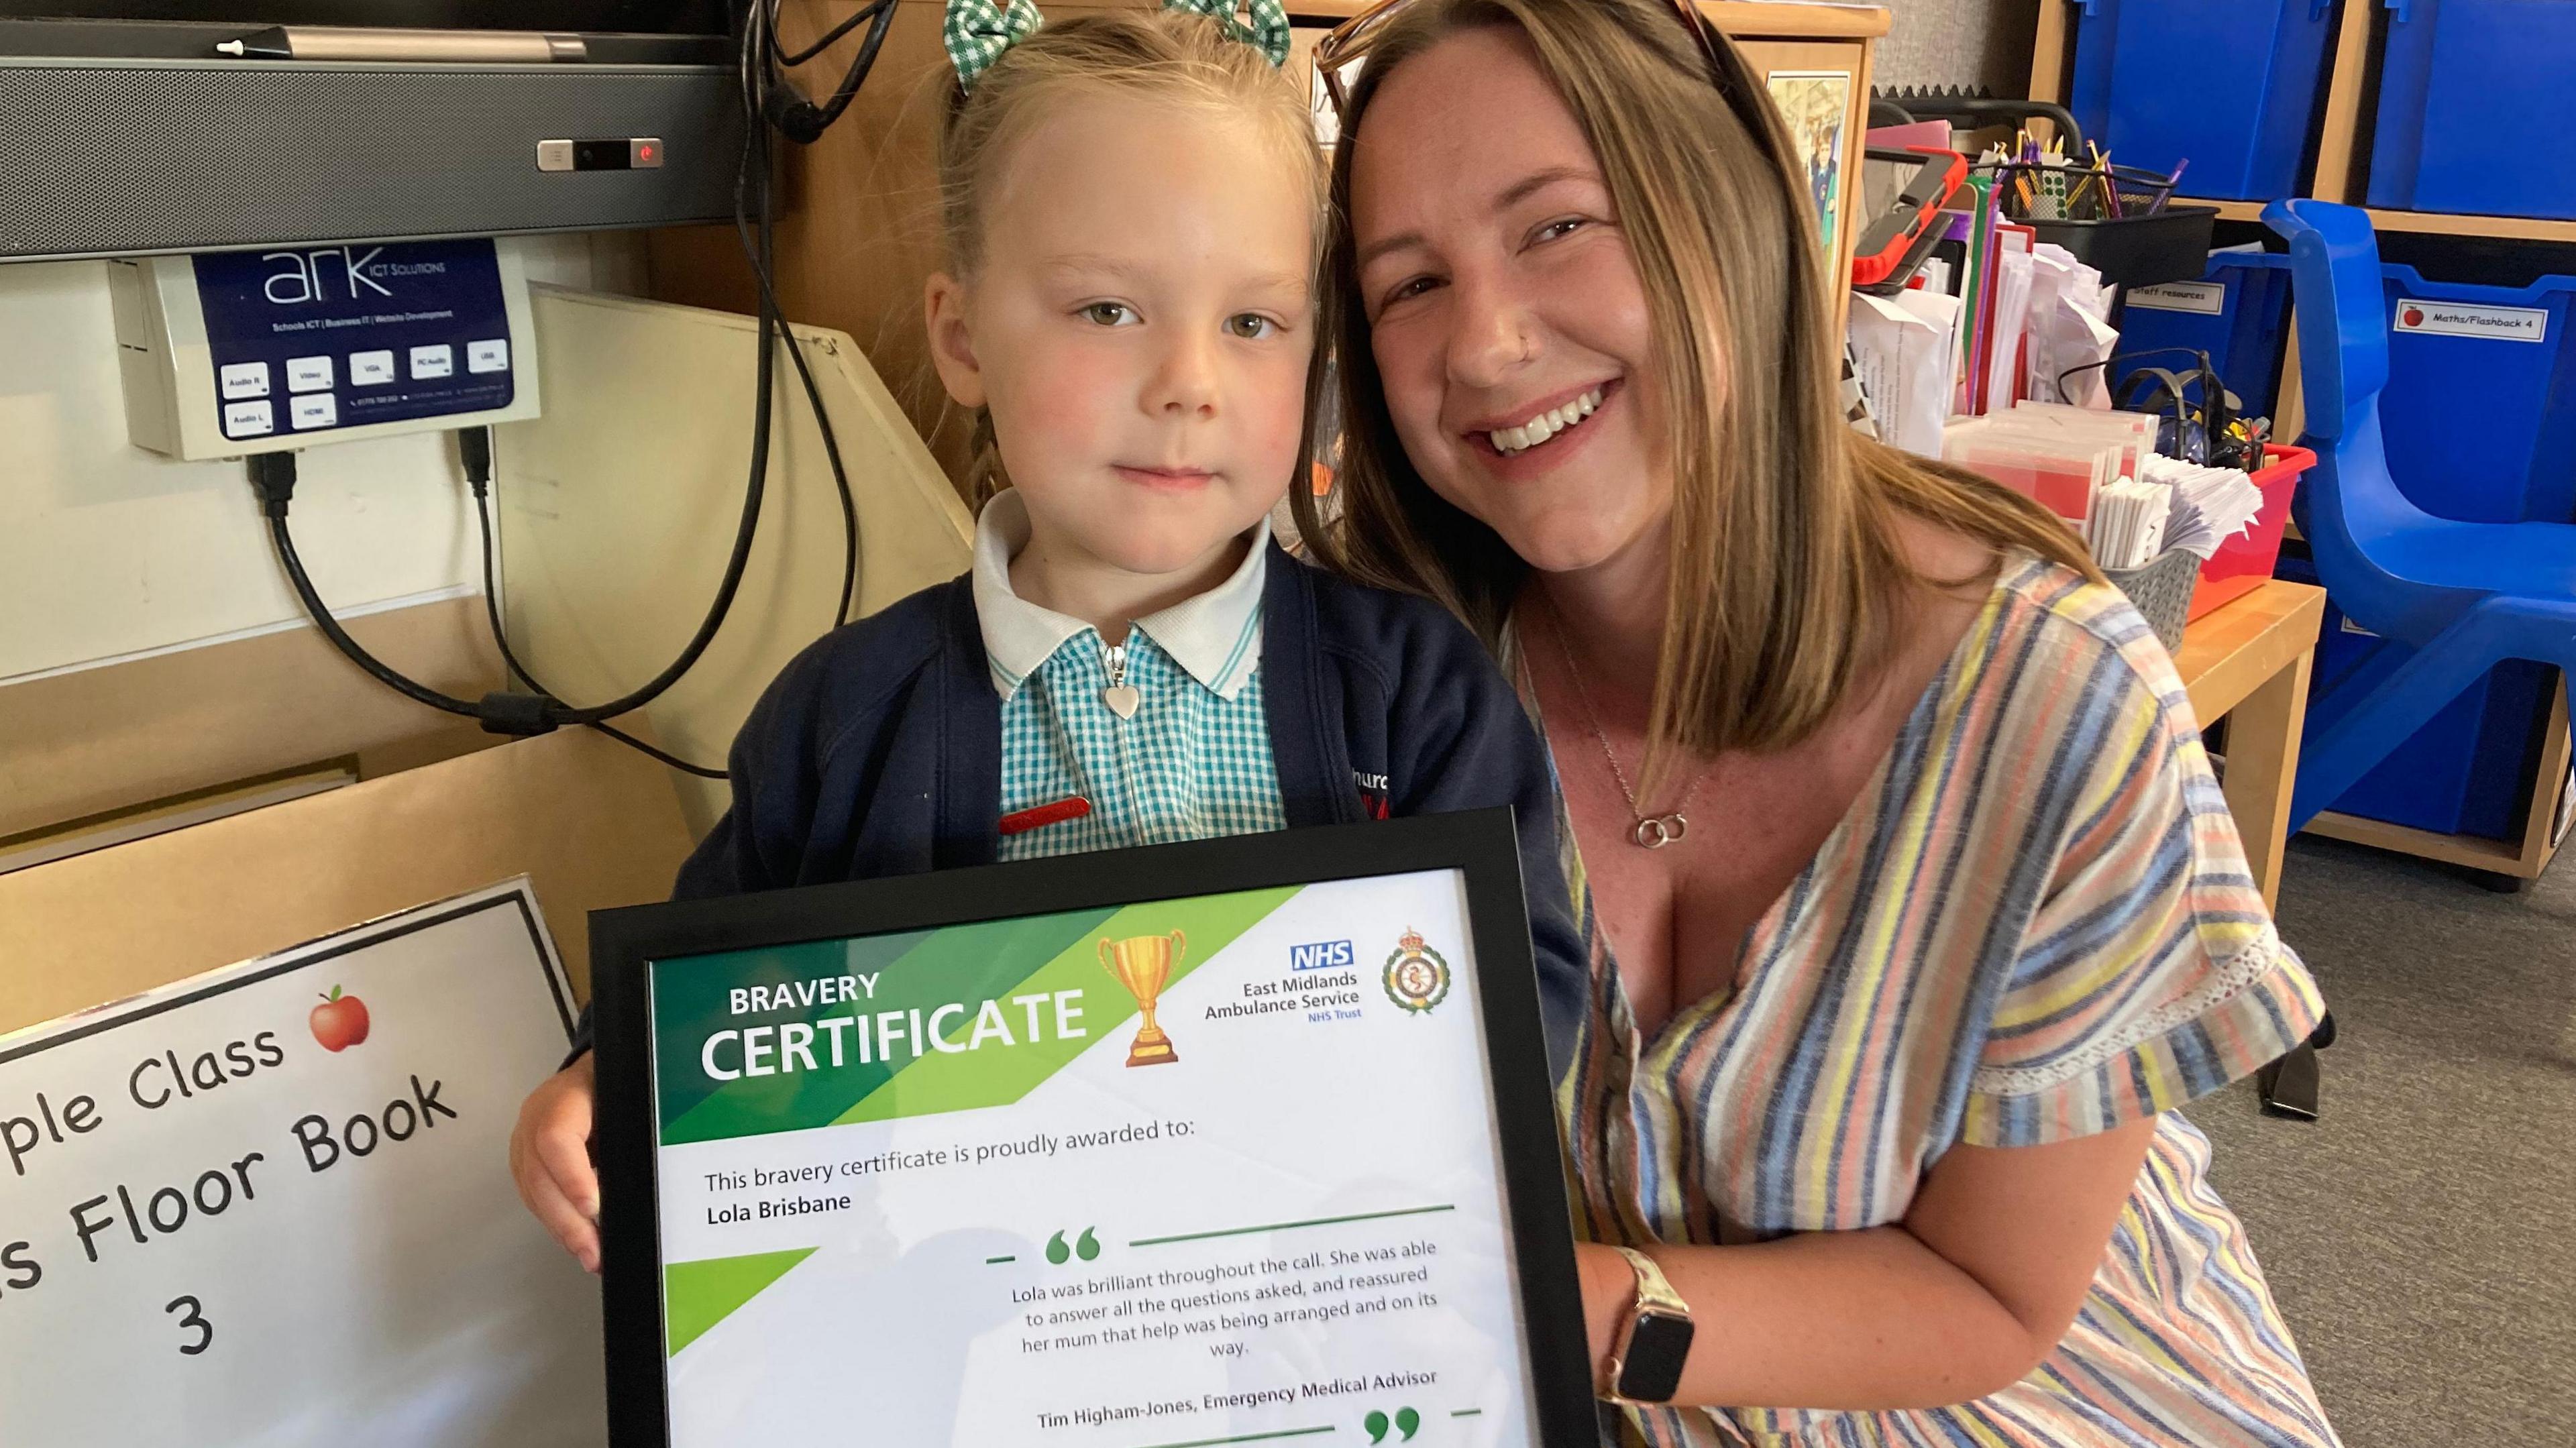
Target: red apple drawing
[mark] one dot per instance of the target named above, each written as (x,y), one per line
(340,1021)
(2414,316)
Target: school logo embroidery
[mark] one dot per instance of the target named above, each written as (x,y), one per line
(1374,796)
(1416,977)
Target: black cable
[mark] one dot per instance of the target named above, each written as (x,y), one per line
(761,257)
(273,474)
(818,47)
(760,38)
(475,444)
(798,118)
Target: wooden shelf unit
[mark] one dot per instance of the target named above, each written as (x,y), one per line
(2342,141)
(2339,176)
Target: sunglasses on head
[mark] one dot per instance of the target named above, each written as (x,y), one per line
(1351,41)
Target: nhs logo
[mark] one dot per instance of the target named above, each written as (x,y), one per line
(1320,955)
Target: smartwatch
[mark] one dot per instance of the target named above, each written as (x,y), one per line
(1646,1365)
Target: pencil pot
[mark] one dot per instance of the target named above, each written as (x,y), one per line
(2475,104)
(2228,85)
(2238,312)
(2479,415)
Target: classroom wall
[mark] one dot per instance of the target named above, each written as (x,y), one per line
(108,551)
(1960,42)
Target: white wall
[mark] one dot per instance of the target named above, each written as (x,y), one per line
(107,550)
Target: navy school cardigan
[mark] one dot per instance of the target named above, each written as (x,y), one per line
(877,751)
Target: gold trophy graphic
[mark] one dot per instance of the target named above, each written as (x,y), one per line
(1143,963)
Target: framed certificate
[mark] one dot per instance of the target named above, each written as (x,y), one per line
(1237,1141)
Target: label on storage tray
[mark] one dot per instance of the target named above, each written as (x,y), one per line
(2458,319)
(2206,298)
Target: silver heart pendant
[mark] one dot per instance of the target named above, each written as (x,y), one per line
(1122,700)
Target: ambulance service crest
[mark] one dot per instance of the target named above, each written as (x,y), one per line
(1416,977)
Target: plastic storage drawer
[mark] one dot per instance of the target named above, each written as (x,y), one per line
(2463,772)
(2229,85)
(2238,313)
(2476,101)
(2480,410)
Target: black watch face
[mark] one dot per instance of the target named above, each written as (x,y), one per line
(1652,1370)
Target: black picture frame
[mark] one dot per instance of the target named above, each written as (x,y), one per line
(1480,844)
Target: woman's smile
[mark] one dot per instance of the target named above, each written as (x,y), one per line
(1541,424)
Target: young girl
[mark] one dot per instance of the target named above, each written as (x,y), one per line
(1131,206)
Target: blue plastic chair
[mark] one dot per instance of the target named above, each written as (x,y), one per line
(2462,597)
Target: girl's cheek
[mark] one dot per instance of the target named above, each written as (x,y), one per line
(1280,408)
(1066,394)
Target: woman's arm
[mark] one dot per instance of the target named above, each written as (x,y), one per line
(1961,1299)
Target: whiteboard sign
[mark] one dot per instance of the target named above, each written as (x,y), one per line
(271,1204)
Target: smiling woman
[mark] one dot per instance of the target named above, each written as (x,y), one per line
(1918,906)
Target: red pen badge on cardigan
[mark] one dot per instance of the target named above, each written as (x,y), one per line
(1020,822)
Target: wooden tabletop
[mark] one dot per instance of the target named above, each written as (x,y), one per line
(2236,648)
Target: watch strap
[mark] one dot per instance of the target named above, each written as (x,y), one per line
(1654,1289)
(1645,1367)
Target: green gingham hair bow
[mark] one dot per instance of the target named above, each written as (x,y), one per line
(978,31)
(1268,32)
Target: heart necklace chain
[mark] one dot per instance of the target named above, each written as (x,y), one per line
(1120,696)
(1651,832)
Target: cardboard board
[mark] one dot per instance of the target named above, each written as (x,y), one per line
(132,732)
(594,823)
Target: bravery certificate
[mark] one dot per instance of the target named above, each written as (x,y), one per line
(1238,1141)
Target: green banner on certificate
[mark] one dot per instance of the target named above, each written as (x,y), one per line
(907,1025)
(1215,1169)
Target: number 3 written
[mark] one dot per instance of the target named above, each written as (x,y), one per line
(195,1318)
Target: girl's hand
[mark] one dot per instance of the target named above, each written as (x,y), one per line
(550,1157)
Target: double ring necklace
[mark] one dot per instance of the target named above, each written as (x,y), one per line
(1651,832)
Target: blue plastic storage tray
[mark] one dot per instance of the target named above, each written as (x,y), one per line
(2229,85)
(2462,773)
(2477,101)
(2480,409)
(2238,313)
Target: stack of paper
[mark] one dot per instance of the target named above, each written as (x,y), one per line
(2210,506)
(1905,350)
(2128,525)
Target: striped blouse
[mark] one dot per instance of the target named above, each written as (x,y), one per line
(2035,923)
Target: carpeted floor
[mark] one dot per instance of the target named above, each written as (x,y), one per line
(2421,1237)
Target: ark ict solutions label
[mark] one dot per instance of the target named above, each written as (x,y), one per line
(1166,1173)
(344,336)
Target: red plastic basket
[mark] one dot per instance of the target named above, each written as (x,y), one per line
(2243,562)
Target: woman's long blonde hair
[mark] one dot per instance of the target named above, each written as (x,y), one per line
(1183,59)
(1787,571)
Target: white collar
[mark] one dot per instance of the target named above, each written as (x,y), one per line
(1215,635)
